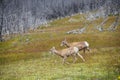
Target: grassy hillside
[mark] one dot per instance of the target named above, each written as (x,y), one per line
(27,57)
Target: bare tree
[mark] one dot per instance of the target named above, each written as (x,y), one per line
(113,26)
(21,15)
(1,18)
(100,26)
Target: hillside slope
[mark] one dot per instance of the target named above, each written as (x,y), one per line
(27,57)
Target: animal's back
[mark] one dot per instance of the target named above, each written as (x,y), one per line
(64,51)
(83,43)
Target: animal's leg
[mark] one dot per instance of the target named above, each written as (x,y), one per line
(88,49)
(81,57)
(84,50)
(75,59)
(64,59)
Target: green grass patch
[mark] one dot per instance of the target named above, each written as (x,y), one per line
(100,64)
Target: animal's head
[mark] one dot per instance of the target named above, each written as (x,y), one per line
(52,50)
(64,42)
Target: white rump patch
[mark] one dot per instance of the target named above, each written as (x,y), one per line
(86,43)
(76,49)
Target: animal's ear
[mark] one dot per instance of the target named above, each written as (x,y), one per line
(65,39)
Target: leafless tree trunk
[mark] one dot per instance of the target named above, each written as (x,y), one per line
(1,19)
(99,27)
(115,23)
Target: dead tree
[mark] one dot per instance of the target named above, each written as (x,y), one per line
(77,31)
(113,26)
(1,18)
(99,27)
